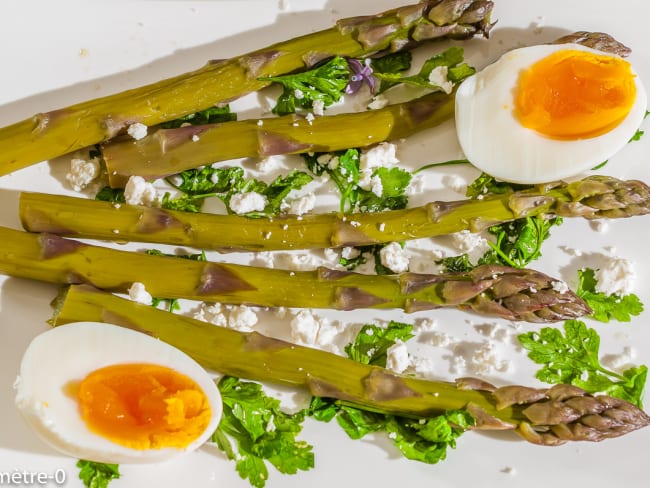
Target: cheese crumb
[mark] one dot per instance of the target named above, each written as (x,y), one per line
(466,241)
(616,277)
(138,293)
(211,313)
(140,192)
(137,131)
(397,357)
(438,77)
(394,258)
(242,203)
(455,182)
(82,173)
(318,107)
(303,204)
(242,318)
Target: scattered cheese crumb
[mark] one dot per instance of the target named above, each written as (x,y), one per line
(397,357)
(616,277)
(82,173)
(242,203)
(318,107)
(211,313)
(242,318)
(394,258)
(195,138)
(438,77)
(137,131)
(455,182)
(601,226)
(303,204)
(140,192)
(466,241)
(138,293)
(560,287)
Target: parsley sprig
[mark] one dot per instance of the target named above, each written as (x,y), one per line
(572,358)
(253,431)
(97,475)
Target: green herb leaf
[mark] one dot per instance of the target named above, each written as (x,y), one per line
(451,60)
(113,195)
(456,264)
(486,184)
(212,115)
(326,83)
(572,358)
(606,307)
(253,431)
(97,475)
(372,342)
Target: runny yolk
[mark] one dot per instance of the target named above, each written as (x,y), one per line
(143,406)
(573,94)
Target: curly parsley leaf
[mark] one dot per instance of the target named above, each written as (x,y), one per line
(113,195)
(486,184)
(97,475)
(325,83)
(198,184)
(456,264)
(449,63)
(572,358)
(253,431)
(363,253)
(372,342)
(343,168)
(606,307)
(211,115)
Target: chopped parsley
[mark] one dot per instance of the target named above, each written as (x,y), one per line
(254,431)
(606,307)
(572,358)
(97,475)
(372,342)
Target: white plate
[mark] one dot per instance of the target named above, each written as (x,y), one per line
(57,53)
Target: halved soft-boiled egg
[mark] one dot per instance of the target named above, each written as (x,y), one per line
(547,112)
(110,394)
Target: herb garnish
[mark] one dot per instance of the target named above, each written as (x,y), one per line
(253,431)
(606,307)
(572,358)
(97,475)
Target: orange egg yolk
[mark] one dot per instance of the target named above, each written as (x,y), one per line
(573,94)
(143,406)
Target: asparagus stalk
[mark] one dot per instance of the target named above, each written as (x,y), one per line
(543,416)
(170,151)
(514,294)
(592,197)
(51,134)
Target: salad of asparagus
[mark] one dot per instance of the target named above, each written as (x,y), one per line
(238,212)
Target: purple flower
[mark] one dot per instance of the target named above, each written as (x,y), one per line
(361,73)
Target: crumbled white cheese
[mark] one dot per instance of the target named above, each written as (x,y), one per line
(458,364)
(601,226)
(138,293)
(331,255)
(303,204)
(318,107)
(494,331)
(376,186)
(310,118)
(394,258)
(616,277)
(350,253)
(571,251)
(272,163)
(298,93)
(416,186)
(137,131)
(484,360)
(438,339)
(455,182)
(140,192)
(298,261)
(378,102)
(560,287)
(82,172)
(212,313)
(310,330)
(381,155)
(423,367)
(617,362)
(397,357)
(242,318)
(242,203)
(438,77)
(195,138)
(425,324)
(466,241)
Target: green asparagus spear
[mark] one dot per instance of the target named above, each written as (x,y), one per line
(170,151)
(592,197)
(543,416)
(51,134)
(515,294)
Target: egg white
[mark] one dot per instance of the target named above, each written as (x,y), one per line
(68,354)
(495,142)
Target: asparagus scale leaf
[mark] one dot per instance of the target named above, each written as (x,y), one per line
(497,291)
(591,198)
(51,134)
(544,416)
